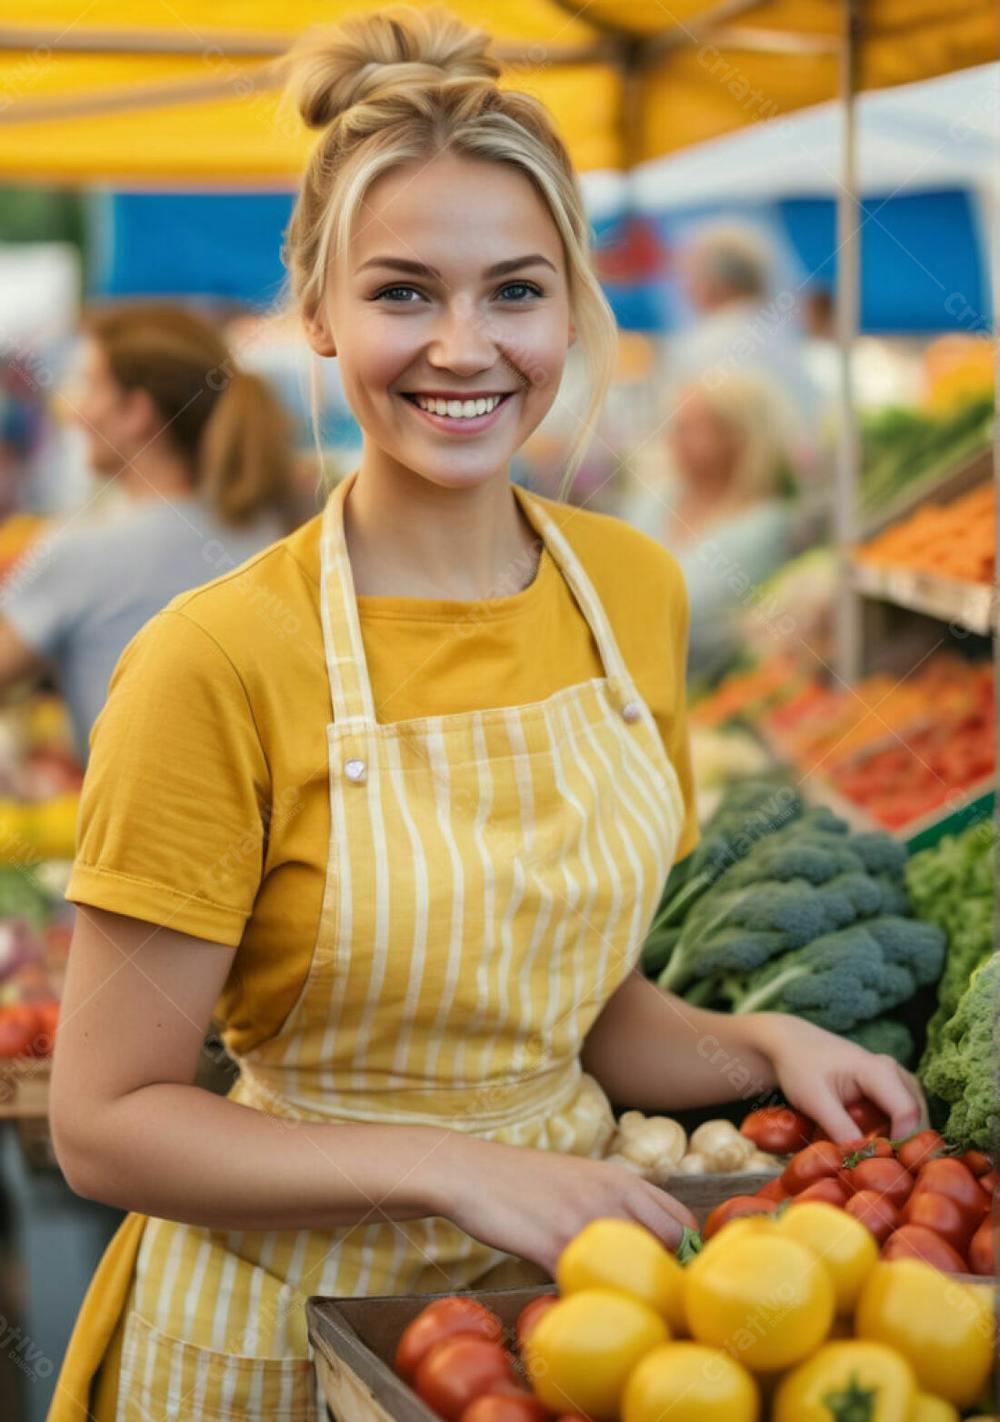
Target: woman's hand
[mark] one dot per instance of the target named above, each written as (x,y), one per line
(821,1073)
(531,1203)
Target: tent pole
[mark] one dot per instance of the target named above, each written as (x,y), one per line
(848,605)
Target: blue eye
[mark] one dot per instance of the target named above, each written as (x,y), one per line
(526,286)
(389,289)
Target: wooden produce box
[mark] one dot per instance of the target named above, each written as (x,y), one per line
(24,1088)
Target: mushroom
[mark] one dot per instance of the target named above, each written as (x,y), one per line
(722,1146)
(654,1143)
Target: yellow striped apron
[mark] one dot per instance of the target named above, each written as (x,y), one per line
(491,877)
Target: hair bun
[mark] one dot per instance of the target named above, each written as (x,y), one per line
(334,66)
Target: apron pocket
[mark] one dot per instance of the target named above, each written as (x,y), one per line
(165,1378)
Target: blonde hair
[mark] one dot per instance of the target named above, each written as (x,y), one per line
(403,85)
(223,420)
(754,408)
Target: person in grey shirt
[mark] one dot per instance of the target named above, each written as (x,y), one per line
(201,452)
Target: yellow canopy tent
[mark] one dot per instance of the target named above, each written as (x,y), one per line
(178,92)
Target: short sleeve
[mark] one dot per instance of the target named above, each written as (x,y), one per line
(674,726)
(173,807)
(42,596)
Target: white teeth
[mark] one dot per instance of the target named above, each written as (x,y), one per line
(458,409)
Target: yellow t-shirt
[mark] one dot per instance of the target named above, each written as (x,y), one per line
(205,804)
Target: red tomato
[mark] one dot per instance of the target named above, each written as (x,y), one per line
(510,1407)
(439,1320)
(829,1190)
(773,1190)
(918,1149)
(885,1177)
(977,1161)
(914,1242)
(817,1161)
(952,1178)
(867,1116)
(875,1212)
(982,1250)
(868,1148)
(735,1209)
(531,1313)
(778,1130)
(990,1182)
(47,1015)
(458,1370)
(18,1028)
(942,1215)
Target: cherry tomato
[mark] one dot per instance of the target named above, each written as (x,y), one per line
(773,1190)
(868,1148)
(952,1178)
(458,1370)
(867,1116)
(507,1407)
(829,1190)
(940,1214)
(778,1130)
(918,1149)
(18,1028)
(977,1161)
(886,1177)
(875,1211)
(530,1315)
(440,1320)
(915,1242)
(817,1161)
(990,1182)
(982,1250)
(735,1209)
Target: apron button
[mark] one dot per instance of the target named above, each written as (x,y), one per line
(631,711)
(355,770)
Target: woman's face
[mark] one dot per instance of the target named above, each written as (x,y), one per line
(454,288)
(705,448)
(106,413)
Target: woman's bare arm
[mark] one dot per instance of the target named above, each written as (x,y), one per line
(131,1130)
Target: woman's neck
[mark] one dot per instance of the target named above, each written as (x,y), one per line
(407,537)
(154,473)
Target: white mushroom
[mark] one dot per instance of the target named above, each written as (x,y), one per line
(760,1160)
(655,1143)
(722,1146)
(694,1163)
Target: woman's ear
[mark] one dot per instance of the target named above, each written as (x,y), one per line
(318,334)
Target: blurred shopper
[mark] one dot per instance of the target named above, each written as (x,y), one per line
(742,323)
(724,505)
(201,452)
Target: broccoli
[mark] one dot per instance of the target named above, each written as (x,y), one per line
(846,977)
(880,853)
(887,1036)
(962,1070)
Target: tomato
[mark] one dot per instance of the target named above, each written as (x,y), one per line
(688,1382)
(912,1241)
(885,1177)
(622,1255)
(940,1214)
(581,1352)
(439,1320)
(952,1178)
(982,1259)
(918,1149)
(852,1378)
(990,1182)
(764,1298)
(944,1329)
(876,1213)
(932,1409)
(867,1116)
(829,1190)
(734,1209)
(18,1029)
(773,1190)
(977,1161)
(818,1160)
(530,1315)
(457,1370)
(510,1407)
(778,1130)
(845,1246)
(867,1148)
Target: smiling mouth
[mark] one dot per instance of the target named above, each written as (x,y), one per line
(468,409)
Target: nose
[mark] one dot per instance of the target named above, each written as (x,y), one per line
(462,340)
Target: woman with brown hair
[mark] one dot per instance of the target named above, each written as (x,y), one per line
(200,449)
(397,800)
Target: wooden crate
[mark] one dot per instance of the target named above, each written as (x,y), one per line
(24,1088)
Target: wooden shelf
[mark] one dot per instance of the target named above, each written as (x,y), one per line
(971,606)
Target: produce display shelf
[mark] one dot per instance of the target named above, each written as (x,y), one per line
(936,487)
(970,606)
(24,1089)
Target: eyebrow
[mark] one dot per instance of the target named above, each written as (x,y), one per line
(400,264)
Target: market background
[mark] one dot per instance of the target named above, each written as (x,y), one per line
(862,158)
